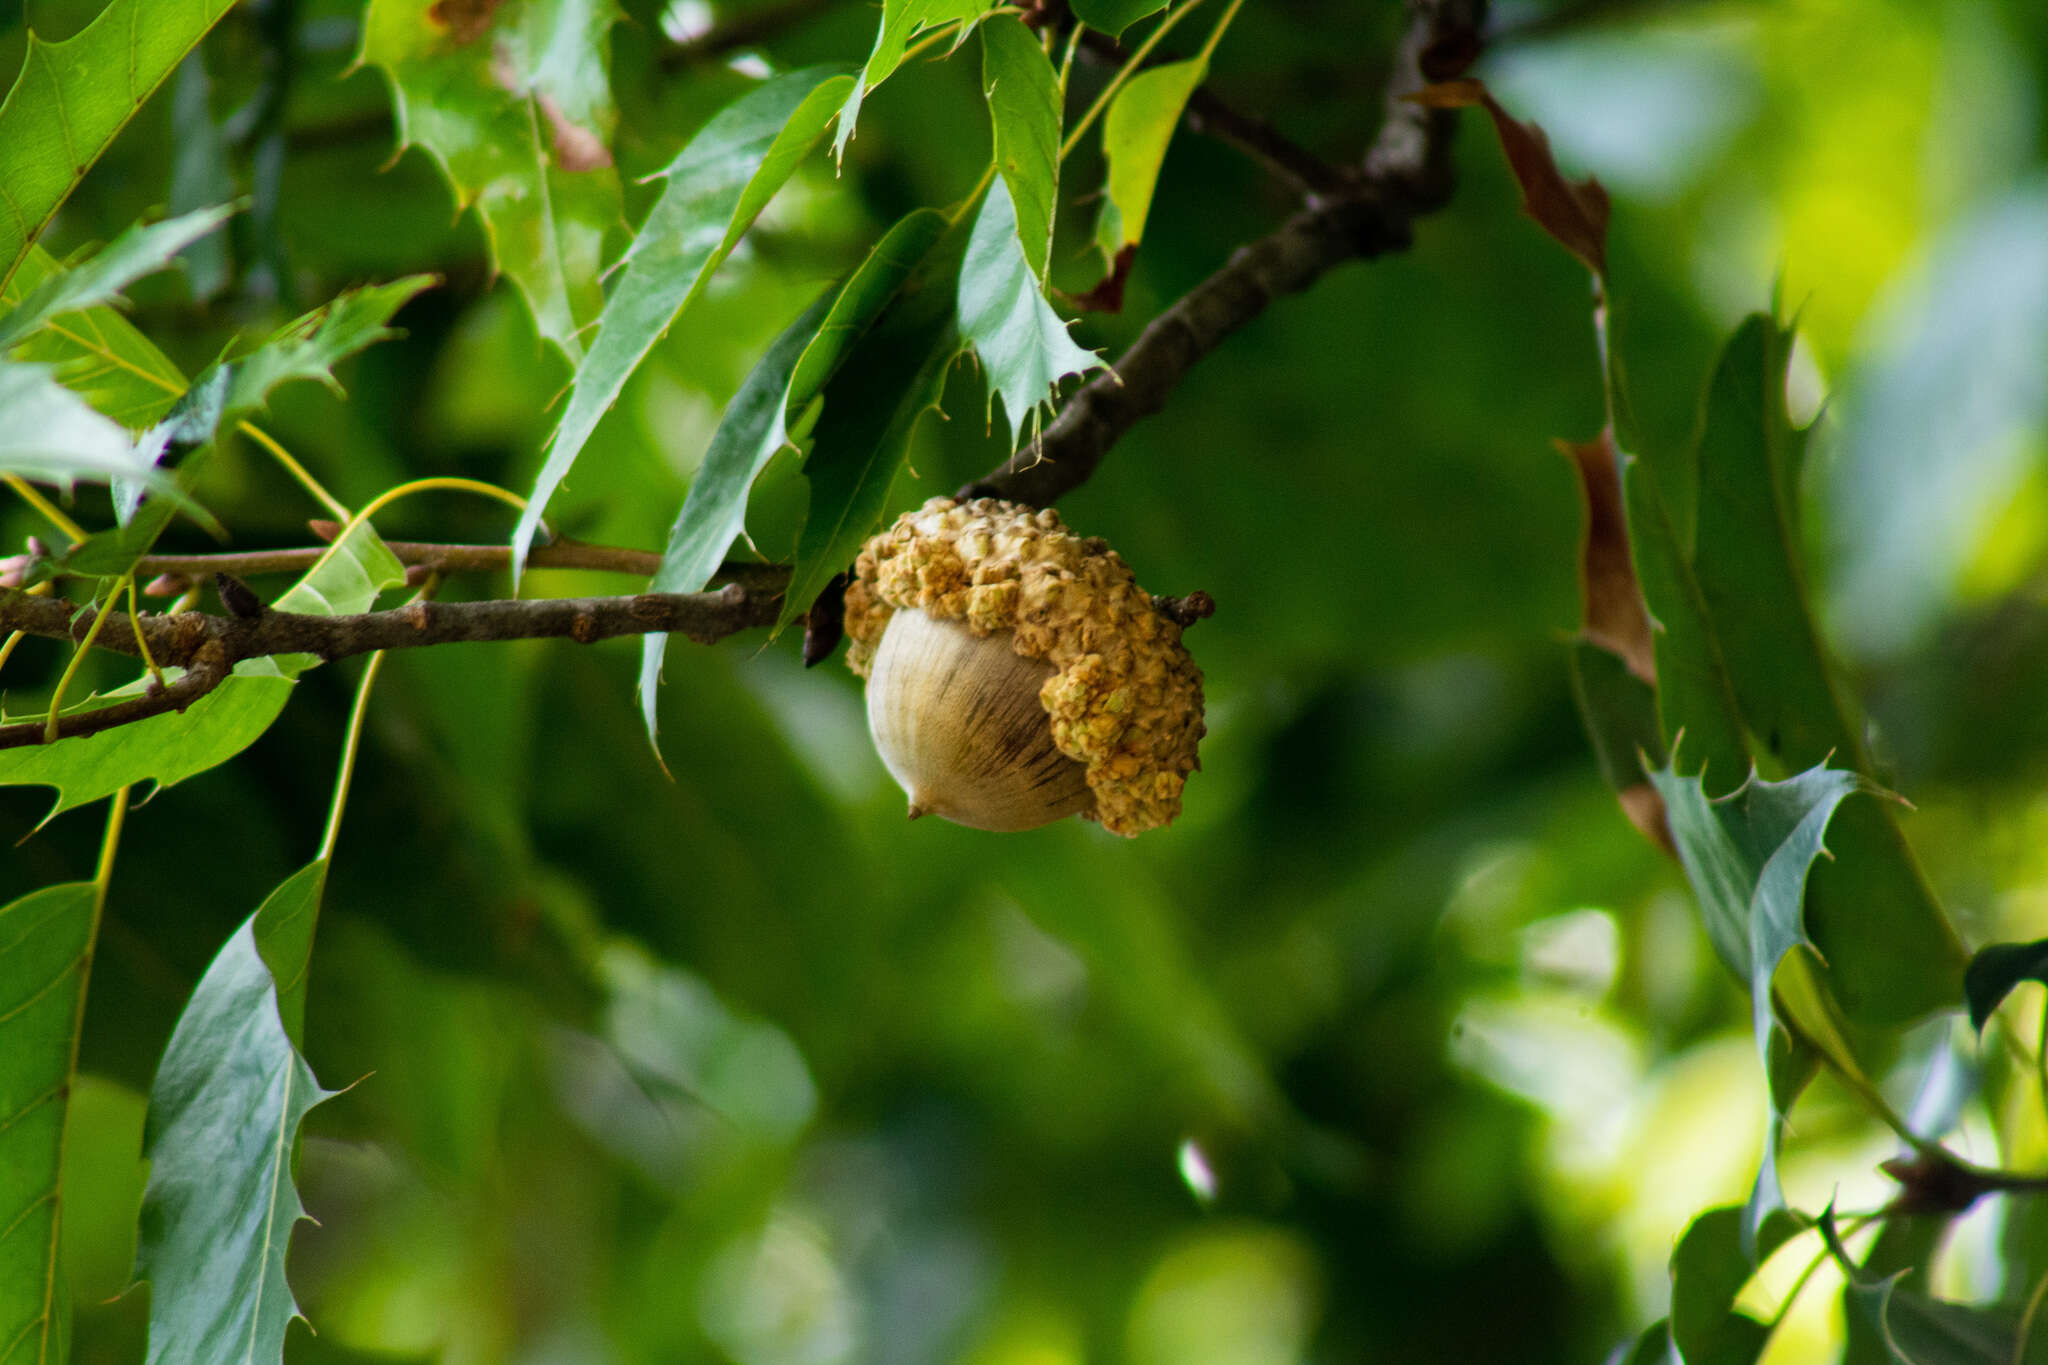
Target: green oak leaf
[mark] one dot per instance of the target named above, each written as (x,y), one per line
(1747,857)
(1022,343)
(1709,1267)
(1996,969)
(218,1213)
(513,102)
(1135,134)
(99,353)
(1912,1328)
(309,347)
(1024,110)
(755,426)
(45,946)
(884,381)
(137,252)
(753,429)
(72,97)
(51,435)
(1743,671)
(169,748)
(284,936)
(902,20)
(1114,16)
(715,188)
(164,749)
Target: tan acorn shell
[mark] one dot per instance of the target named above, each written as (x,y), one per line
(957,721)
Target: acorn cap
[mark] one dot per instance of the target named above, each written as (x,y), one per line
(1123,697)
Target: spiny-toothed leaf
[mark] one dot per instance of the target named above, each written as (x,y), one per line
(1024,110)
(72,97)
(753,429)
(1912,1328)
(99,353)
(164,749)
(1747,856)
(309,347)
(514,103)
(888,378)
(217,1217)
(755,426)
(714,191)
(892,267)
(1022,344)
(1135,135)
(1114,16)
(167,749)
(284,936)
(902,20)
(1996,969)
(1892,954)
(1709,1267)
(45,943)
(137,252)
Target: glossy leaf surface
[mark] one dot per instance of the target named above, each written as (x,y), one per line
(1135,134)
(714,190)
(1022,343)
(45,944)
(514,104)
(137,252)
(1024,107)
(72,97)
(217,1217)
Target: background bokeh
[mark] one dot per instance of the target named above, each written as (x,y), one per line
(1400,1046)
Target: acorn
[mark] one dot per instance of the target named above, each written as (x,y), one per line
(1017,674)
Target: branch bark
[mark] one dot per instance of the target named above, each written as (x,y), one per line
(1406,175)
(209,646)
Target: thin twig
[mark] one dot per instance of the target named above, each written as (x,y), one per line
(443,558)
(1406,175)
(209,645)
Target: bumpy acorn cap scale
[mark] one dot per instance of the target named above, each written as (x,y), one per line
(1124,698)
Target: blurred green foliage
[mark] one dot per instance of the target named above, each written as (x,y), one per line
(1401,1045)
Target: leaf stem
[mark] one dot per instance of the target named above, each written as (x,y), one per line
(2033,1309)
(71,668)
(292,467)
(141,641)
(53,514)
(349,746)
(1216,34)
(1136,62)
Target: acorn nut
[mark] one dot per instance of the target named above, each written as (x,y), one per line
(1017,674)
